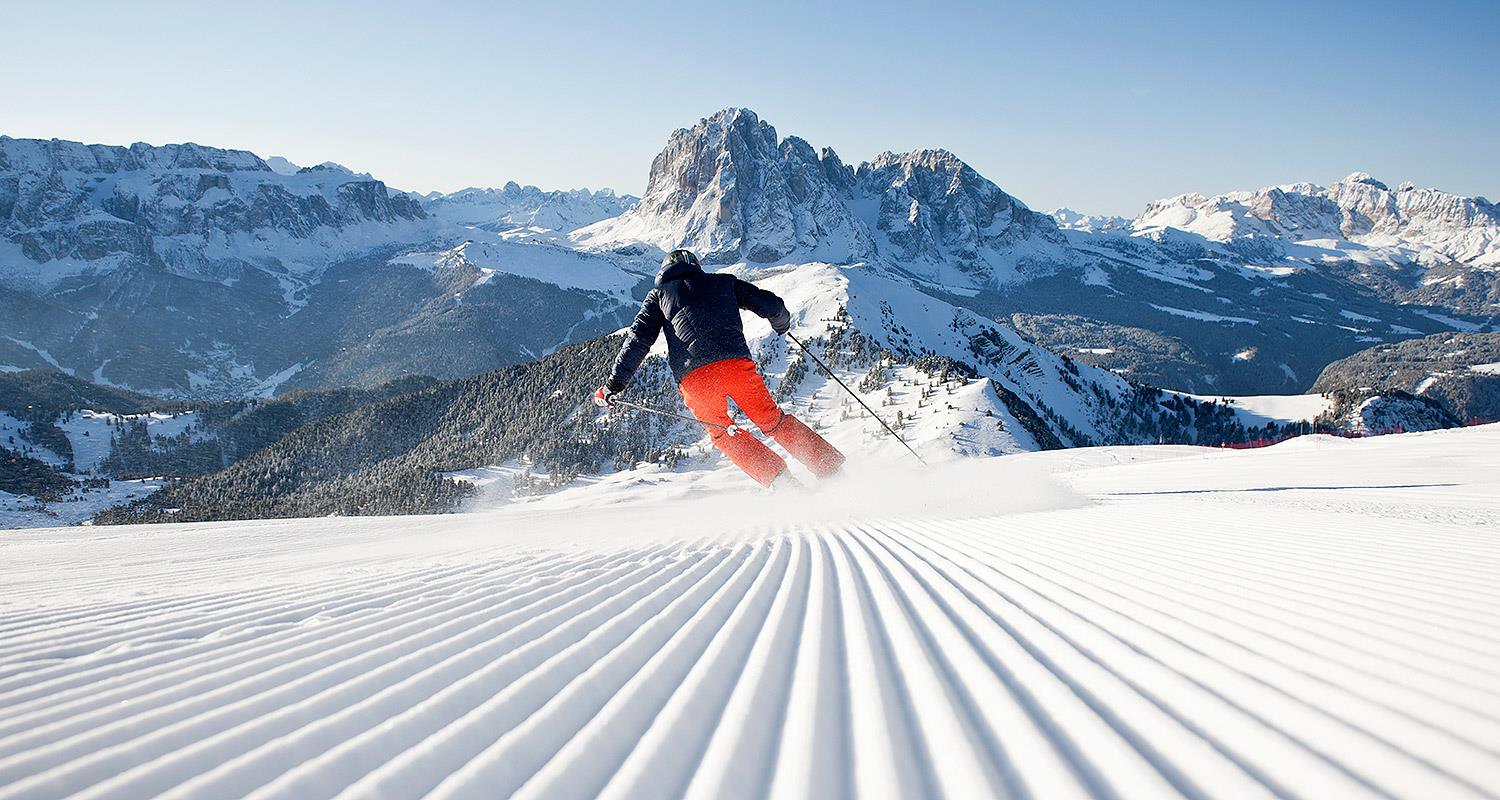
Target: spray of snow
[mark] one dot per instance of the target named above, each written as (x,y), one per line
(866,491)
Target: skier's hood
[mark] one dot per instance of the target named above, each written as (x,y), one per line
(673,272)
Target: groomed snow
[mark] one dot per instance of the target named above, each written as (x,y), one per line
(1314,619)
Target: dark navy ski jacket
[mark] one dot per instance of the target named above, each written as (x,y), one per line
(701,315)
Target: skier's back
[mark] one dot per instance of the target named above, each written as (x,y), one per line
(700,314)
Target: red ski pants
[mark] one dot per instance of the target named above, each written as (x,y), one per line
(707,390)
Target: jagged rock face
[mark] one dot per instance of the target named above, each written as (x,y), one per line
(515,206)
(1425,226)
(934,208)
(931,202)
(175,207)
(729,190)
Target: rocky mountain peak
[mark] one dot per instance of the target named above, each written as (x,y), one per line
(695,157)
(1089,223)
(198,212)
(515,206)
(730,190)
(58,155)
(1364,178)
(1411,224)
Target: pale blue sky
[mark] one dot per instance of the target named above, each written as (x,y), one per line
(1098,106)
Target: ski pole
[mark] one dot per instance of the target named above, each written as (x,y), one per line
(888,429)
(729,429)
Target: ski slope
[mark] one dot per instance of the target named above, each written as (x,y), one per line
(1316,619)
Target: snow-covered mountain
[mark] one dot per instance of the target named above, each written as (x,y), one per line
(1093,223)
(281,165)
(1358,218)
(527,208)
(191,271)
(729,189)
(1156,298)
(1407,246)
(69,210)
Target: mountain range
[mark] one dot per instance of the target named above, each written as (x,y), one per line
(1241,294)
(193,272)
(526,208)
(188,271)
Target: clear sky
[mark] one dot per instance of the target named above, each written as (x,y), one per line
(1101,107)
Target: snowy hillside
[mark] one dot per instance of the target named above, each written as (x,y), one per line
(557,266)
(1314,619)
(949,380)
(1257,410)
(81,456)
(1033,399)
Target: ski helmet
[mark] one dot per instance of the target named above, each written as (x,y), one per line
(680,257)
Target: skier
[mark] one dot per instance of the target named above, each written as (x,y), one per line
(711,361)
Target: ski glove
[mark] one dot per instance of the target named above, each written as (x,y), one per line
(604,396)
(781,323)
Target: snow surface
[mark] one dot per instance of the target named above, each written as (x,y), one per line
(1491,369)
(1314,619)
(1257,410)
(77,507)
(90,433)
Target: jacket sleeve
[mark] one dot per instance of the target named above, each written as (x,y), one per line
(642,334)
(762,303)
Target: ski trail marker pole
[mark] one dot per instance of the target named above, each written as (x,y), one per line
(729,429)
(888,429)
